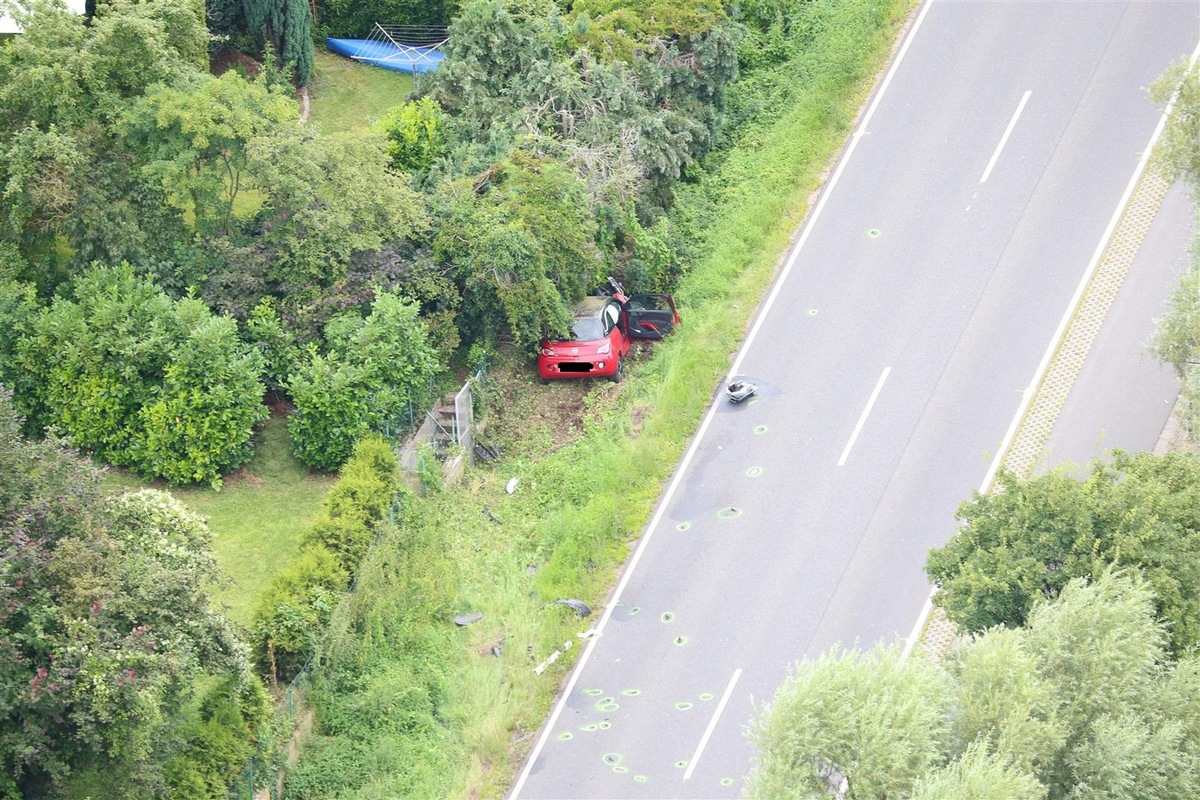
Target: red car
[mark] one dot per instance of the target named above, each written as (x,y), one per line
(601,333)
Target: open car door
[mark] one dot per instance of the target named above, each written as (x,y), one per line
(651,316)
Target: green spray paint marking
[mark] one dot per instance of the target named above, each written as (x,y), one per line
(812,312)
(611,758)
(604,725)
(874,233)
(681,763)
(759,430)
(641,778)
(633,611)
(706,696)
(754,472)
(607,705)
(631,692)
(729,512)
(591,727)
(681,640)
(620,769)
(667,616)
(727,781)
(683,526)
(566,736)
(593,692)
(683,705)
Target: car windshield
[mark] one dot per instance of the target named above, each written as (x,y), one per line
(587,329)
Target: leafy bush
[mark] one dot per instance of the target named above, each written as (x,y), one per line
(416,134)
(159,385)
(294,610)
(358,502)
(200,425)
(376,370)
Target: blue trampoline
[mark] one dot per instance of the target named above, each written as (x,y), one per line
(386,47)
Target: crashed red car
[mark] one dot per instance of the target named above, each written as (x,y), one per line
(601,333)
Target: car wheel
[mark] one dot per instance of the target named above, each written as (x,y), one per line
(543,381)
(619,373)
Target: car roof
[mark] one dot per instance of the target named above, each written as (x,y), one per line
(589,307)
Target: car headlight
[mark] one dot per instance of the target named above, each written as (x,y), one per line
(548,352)
(604,349)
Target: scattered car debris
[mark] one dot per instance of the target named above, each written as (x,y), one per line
(530,569)
(578,605)
(511,486)
(485,453)
(491,516)
(540,668)
(737,391)
(467,619)
(498,647)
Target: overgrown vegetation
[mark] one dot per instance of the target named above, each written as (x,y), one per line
(116,673)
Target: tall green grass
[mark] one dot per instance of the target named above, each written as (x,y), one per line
(566,530)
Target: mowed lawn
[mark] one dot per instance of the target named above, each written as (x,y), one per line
(348,96)
(259,517)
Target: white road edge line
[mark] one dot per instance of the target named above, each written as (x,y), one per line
(863,418)
(531,759)
(712,723)
(1031,390)
(1012,123)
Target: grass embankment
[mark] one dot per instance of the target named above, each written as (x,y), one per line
(348,96)
(409,705)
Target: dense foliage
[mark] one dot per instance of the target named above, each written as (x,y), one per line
(1025,542)
(160,385)
(106,625)
(1083,701)
(294,610)
(374,369)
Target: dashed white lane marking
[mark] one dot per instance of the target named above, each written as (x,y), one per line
(1012,123)
(712,723)
(862,419)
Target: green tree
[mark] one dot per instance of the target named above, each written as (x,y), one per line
(376,370)
(106,623)
(1080,702)
(1025,542)
(1178,154)
(817,734)
(522,241)
(326,199)
(283,27)
(194,139)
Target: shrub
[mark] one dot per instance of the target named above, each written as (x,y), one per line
(294,611)
(376,369)
(358,502)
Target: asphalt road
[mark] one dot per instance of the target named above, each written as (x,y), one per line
(921,291)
